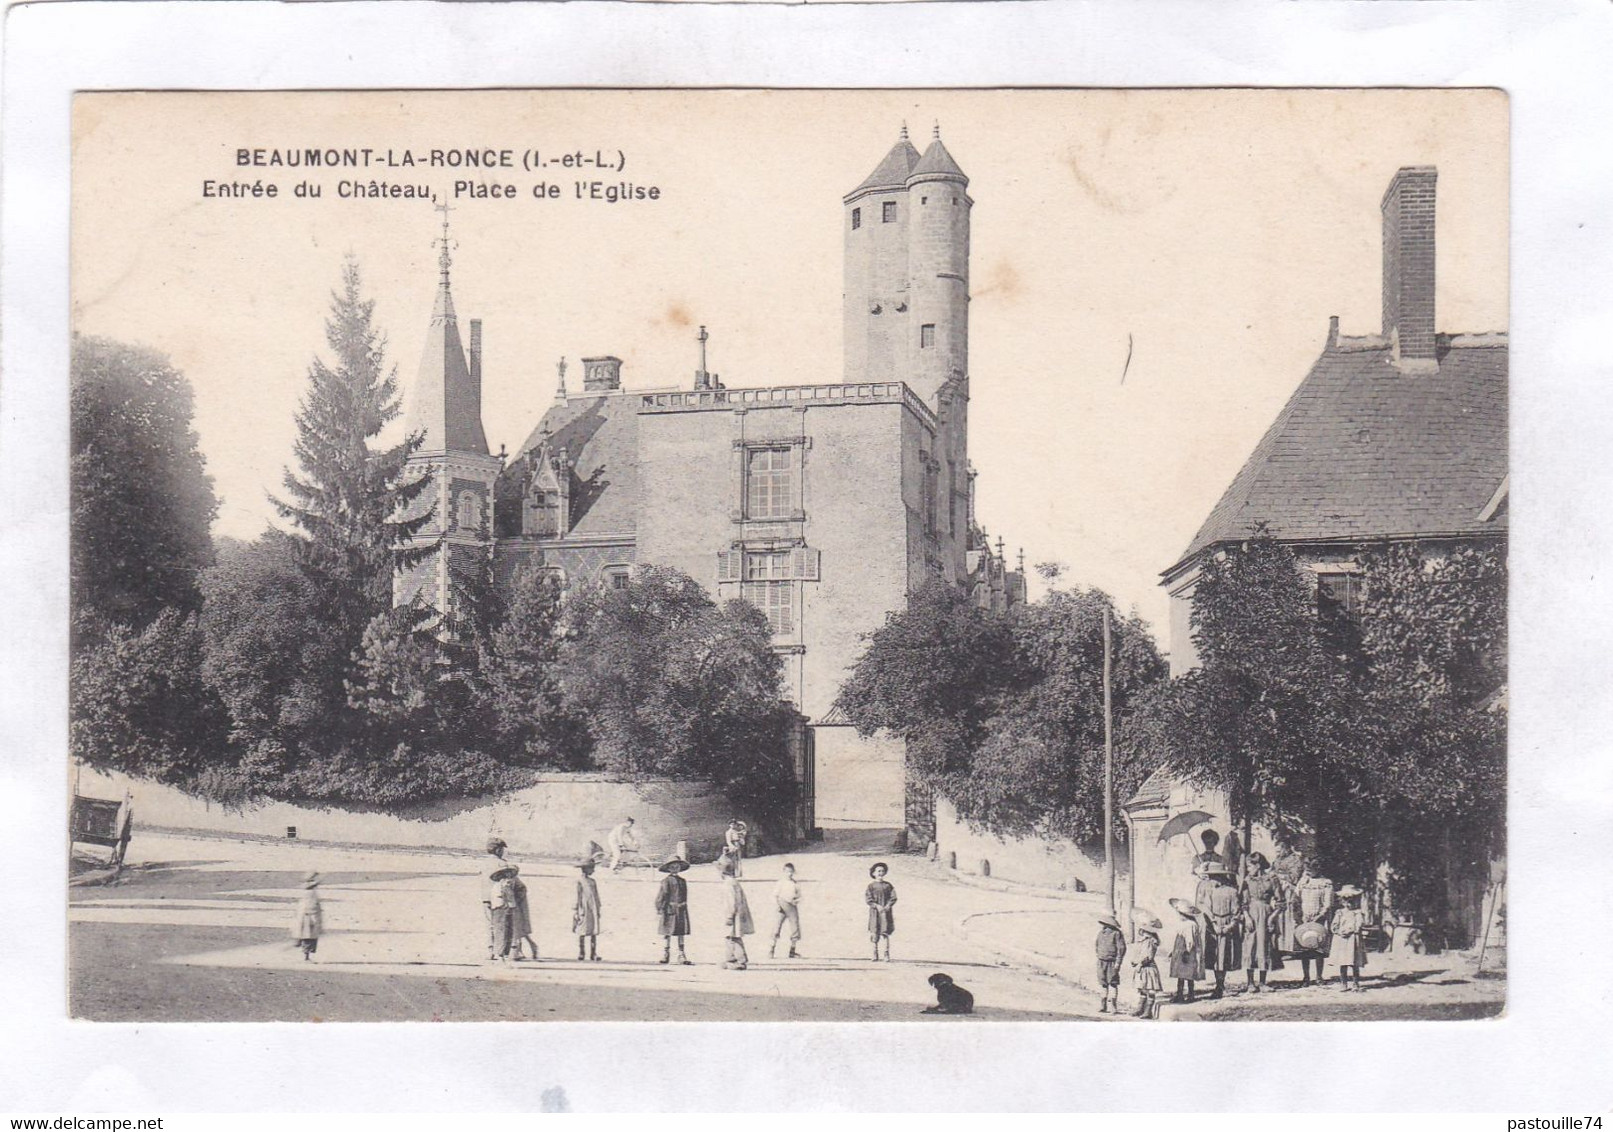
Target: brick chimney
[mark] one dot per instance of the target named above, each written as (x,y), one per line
(1408,266)
(476,357)
(601,375)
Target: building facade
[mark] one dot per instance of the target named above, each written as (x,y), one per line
(1393,437)
(823,505)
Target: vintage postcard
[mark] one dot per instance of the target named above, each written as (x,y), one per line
(763,555)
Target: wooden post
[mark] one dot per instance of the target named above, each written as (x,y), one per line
(1108,768)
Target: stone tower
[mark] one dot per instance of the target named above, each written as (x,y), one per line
(446,409)
(906,316)
(906,295)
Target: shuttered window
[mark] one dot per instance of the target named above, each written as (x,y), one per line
(768,587)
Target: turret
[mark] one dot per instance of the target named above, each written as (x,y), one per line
(938,270)
(876,301)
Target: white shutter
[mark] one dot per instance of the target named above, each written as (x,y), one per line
(804,564)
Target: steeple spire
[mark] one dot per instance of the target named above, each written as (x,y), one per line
(447,403)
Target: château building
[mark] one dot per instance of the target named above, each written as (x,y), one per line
(823,505)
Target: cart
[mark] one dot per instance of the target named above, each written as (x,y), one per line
(102,821)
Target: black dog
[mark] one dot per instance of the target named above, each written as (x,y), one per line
(950,998)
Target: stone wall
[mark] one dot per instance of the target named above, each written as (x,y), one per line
(557,816)
(1049,862)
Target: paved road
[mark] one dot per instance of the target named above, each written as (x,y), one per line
(197,930)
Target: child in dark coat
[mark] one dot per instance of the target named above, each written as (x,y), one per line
(1111,946)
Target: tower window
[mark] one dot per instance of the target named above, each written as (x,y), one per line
(1338,596)
(768,488)
(924,200)
(469,511)
(927,335)
(856,219)
(620,577)
(887,212)
(768,587)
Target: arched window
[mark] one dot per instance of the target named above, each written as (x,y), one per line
(468,511)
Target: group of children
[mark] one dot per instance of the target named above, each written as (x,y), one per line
(1346,946)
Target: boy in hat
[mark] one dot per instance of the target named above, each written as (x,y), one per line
(492,863)
(881,898)
(1111,946)
(672,908)
(736,916)
(310,920)
(787,896)
(1349,946)
(585,913)
(1150,989)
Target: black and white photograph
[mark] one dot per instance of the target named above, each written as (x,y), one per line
(927,556)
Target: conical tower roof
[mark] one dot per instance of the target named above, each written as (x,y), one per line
(447,402)
(891,173)
(937,163)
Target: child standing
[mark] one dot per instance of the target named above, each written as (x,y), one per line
(501,908)
(310,919)
(881,897)
(585,912)
(520,916)
(736,915)
(1349,947)
(1150,989)
(1111,945)
(787,896)
(1187,950)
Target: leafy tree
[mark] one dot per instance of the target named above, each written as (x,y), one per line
(1003,712)
(1040,766)
(142,502)
(350,502)
(672,684)
(140,705)
(519,693)
(933,675)
(266,650)
(1269,716)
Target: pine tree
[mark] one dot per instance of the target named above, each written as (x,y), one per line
(350,499)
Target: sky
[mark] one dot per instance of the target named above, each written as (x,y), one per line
(1208,234)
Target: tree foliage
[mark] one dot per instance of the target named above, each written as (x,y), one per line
(142,501)
(673,684)
(140,705)
(1377,740)
(1003,712)
(349,501)
(518,659)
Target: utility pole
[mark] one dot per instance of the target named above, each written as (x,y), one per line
(1108,768)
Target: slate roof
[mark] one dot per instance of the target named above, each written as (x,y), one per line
(937,162)
(600,435)
(891,173)
(1365,451)
(446,406)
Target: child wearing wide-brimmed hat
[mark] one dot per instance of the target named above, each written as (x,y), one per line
(501,899)
(1111,949)
(1150,989)
(310,920)
(672,908)
(881,899)
(1187,949)
(1348,949)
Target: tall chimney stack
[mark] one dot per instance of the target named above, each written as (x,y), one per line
(476,358)
(1408,266)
